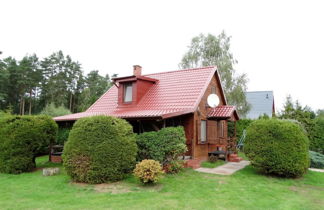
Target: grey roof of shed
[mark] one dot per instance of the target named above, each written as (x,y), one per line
(262,102)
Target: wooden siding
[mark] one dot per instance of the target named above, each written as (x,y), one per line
(200,150)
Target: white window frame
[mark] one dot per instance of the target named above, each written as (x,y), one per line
(128,89)
(203,131)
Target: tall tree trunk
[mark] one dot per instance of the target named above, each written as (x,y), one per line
(30,101)
(71,97)
(20,105)
(23,107)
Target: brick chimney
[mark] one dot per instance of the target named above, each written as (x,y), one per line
(137,70)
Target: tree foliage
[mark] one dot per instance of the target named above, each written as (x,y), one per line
(210,50)
(28,85)
(95,86)
(54,111)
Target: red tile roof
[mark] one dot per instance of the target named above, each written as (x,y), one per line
(223,112)
(174,93)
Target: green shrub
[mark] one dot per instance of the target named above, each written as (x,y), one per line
(62,135)
(54,111)
(163,146)
(22,138)
(174,167)
(213,158)
(277,147)
(240,126)
(148,171)
(316,159)
(100,149)
(317,136)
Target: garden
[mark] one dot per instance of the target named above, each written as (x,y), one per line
(106,165)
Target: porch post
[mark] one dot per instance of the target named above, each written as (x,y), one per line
(235,128)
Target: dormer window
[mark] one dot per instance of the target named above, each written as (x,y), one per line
(131,89)
(128,92)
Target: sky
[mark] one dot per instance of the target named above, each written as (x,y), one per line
(278,44)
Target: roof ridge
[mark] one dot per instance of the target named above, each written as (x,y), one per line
(181,70)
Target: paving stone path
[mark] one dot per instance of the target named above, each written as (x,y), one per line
(226,169)
(316,169)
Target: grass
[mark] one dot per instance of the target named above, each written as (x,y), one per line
(188,190)
(207,164)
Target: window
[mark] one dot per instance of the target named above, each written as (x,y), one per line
(128,92)
(220,128)
(203,131)
(213,90)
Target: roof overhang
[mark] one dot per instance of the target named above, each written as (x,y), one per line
(223,113)
(133,78)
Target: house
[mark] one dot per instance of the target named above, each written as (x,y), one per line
(262,102)
(151,102)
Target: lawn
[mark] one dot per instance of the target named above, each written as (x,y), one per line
(207,164)
(188,190)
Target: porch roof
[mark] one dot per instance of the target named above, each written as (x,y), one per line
(223,112)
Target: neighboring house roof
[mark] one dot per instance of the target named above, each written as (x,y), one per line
(223,112)
(174,93)
(262,102)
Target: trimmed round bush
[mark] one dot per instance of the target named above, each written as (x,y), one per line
(100,149)
(22,138)
(148,171)
(277,147)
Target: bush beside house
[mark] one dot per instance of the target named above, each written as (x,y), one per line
(22,138)
(165,145)
(277,147)
(100,149)
(62,135)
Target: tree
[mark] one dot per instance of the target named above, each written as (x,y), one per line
(215,51)
(320,113)
(4,76)
(96,85)
(32,77)
(293,110)
(61,79)
(54,111)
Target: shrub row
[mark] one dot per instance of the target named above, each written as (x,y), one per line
(277,147)
(22,138)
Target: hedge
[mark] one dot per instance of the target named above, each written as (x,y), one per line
(22,138)
(164,145)
(317,159)
(277,147)
(317,136)
(100,149)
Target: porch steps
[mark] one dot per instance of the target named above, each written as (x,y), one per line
(234,158)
